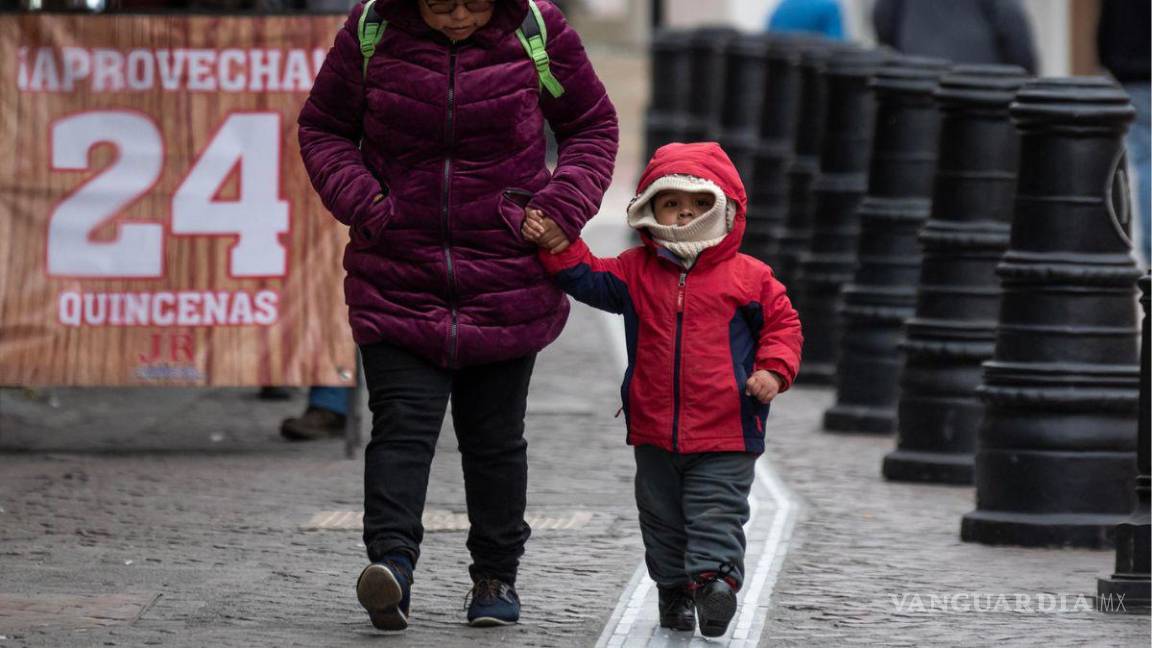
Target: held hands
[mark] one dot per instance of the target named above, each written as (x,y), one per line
(543,231)
(764,385)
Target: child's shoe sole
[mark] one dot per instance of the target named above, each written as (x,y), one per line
(714,611)
(380,594)
(489,622)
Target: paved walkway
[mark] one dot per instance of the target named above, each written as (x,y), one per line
(178,518)
(217,545)
(185,521)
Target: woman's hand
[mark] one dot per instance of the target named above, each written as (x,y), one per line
(764,385)
(543,231)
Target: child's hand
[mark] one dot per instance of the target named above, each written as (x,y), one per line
(533,226)
(764,385)
(543,231)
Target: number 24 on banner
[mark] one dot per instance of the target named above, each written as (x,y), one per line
(257,218)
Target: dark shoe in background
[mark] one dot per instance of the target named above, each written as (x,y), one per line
(715,606)
(677,609)
(385,591)
(492,602)
(275,393)
(316,423)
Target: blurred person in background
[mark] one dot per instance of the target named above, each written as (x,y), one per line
(961,31)
(324,417)
(814,16)
(1122,41)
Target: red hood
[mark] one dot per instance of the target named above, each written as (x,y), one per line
(703,160)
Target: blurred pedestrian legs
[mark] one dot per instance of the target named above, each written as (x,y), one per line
(324,418)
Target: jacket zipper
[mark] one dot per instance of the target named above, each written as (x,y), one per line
(677,361)
(446,231)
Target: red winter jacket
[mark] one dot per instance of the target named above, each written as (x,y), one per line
(694,336)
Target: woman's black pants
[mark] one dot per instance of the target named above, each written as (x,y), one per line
(408,397)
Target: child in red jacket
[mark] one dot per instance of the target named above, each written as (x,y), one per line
(712,338)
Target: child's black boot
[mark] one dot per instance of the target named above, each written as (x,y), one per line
(715,597)
(676,608)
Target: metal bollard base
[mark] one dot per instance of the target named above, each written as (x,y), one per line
(1080,530)
(816,374)
(929,467)
(866,420)
(1124,595)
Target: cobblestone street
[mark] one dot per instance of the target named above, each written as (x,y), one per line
(211,544)
(185,521)
(149,517)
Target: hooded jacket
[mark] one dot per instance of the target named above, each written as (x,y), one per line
(696,334)
(452,135)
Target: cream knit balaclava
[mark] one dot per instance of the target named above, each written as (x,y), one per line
(688,241)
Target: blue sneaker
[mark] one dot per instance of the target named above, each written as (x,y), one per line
(492,602)
(385,589)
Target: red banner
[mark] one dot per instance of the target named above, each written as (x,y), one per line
(157,223)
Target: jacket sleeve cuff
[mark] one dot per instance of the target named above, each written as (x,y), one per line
(553,208)
(571,256)
(777,366)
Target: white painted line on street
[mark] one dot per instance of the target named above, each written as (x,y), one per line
(635,621)
(435,520)
(750,617)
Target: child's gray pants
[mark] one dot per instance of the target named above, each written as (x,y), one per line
(692,512)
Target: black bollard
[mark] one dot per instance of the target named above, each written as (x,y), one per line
(768,196)
(954,328)
(883,290)
(1056,463)
(670,61)
(706,82)
(803,164)
(836,194)
(743,96)
(1130,587)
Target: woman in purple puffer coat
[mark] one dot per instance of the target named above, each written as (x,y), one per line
(430,158)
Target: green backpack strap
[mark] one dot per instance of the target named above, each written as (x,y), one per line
(533,36)
(370,30)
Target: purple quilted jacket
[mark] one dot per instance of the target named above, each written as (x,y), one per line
(452,134)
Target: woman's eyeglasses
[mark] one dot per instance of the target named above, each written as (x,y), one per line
(448,6)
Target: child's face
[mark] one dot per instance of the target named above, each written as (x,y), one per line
(676,207)
(462,18)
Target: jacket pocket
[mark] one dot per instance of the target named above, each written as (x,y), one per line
(625,387)
(753,413)
(370,222)
(513,201)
